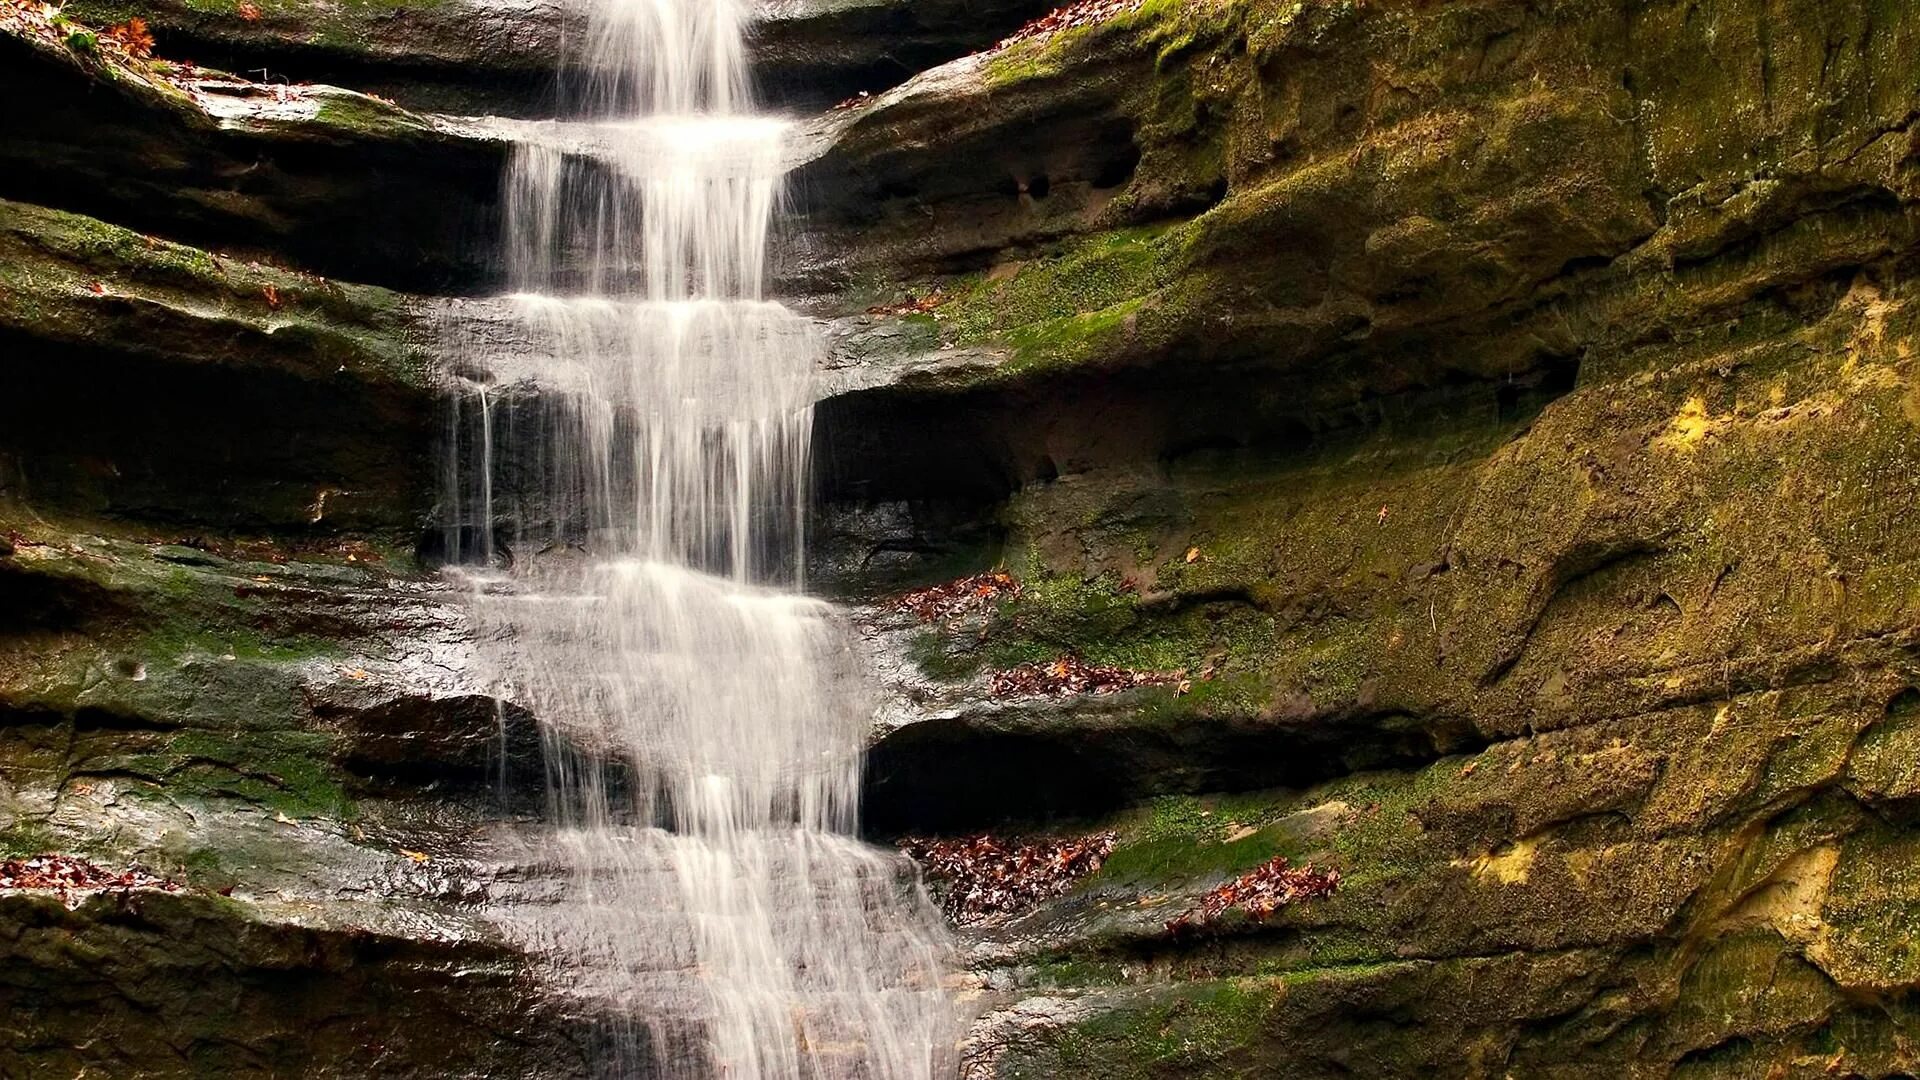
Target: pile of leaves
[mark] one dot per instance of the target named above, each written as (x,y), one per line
(939,603)
(912,305)
(1259,893)
(130,37)
(73,878)
(1071,675)
(978,877)
(1070,17)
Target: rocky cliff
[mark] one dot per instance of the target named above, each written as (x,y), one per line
(1488,433)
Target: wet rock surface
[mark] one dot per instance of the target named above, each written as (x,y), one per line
(333,182)
(505,56)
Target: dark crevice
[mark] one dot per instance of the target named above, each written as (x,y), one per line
(1092,757)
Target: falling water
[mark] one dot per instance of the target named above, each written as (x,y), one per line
(703,720)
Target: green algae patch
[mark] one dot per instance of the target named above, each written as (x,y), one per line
(74,278)
(1187,839)
(1061,310)
(286,772)
(1202,1030)
(367,115)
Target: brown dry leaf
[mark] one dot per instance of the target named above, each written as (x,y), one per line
(420,858)
(980,876)
(96,288)
(248,12)
(1071,675)
(912,305)
(132,36)
(71,878)
(356,674)
(939,603)
(272,296)
(1259,893)
(1193,554)
(1072,16)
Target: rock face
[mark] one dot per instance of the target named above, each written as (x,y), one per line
(504,56)
(1499,422)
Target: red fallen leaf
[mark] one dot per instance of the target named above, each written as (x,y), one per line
(96,288)
(132,36)
(71,878)
(1259,893)
(1069,17)
(939,603)
(977,877)
(912,305)
(1071,675)
(249,13)
(272,296)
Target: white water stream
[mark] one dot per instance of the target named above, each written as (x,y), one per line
(704,721)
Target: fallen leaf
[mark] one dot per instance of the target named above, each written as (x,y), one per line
(1071,675)
(248,12)
(1259,893)
(1072,16)
(940,603)
(71,878)
(420,858)
(1193,554)
(96,288)
(132,36)
(977,877)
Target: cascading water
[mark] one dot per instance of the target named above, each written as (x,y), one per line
(703,730)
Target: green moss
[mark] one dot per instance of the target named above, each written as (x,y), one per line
(1203,1030)
(66,273)
(1182,839)
(288,772)
(367,115)
(1067,309)
(26,838)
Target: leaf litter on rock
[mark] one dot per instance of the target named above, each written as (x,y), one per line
(950,600)
(1074,16)
(978,877)
(73,878)
(1071,675)
(1259,892)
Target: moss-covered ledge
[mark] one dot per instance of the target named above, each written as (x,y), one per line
(1686,892)
(335,182)
(156,381)
(193,984)
(485,56)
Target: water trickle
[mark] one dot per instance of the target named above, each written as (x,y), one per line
(703,721)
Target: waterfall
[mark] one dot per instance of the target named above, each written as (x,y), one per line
(703,720)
